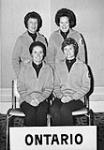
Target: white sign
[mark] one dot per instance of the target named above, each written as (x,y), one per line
(53,138)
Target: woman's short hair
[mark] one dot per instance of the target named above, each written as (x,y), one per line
(68,13)
(69,41)
(38,43)
(34,15)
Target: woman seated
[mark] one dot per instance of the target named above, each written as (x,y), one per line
(71,84)
(35,84)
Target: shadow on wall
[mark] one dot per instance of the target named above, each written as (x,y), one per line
(92,81)
(85,47)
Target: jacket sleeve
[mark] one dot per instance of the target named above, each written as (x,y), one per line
(16,56)
(22,88)
(85,84)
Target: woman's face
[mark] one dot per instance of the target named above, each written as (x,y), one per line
(69,52)
(64,24)
(32,25)
(37,54)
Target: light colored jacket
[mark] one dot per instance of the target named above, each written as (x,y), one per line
(54,52)
(21,50)
(30,86)
(75,83)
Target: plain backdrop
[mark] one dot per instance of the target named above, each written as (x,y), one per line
(90,23)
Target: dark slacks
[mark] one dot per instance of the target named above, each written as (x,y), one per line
(35,116)
(62,112)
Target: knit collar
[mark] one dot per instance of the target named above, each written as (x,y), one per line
(33,35)
(37,67)
(69,63)
(64,34)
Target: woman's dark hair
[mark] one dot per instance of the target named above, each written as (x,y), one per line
(34,15)
(38,43)
(69,41)
(68,13)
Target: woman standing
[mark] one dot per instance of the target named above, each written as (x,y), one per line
(33,23)
(65,19)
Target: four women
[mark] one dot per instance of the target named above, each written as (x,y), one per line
(66,76)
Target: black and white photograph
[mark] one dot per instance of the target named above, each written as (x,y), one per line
(51,75)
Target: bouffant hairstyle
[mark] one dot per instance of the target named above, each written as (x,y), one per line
(68,13)
(34,15)
(69,41)
(38,43)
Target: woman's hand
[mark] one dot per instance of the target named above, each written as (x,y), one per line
(66,99)
(34,102)
(26,61)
